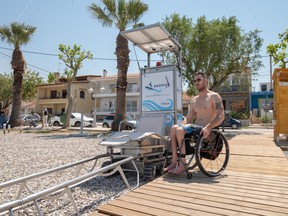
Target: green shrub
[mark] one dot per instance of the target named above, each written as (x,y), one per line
(266,119)
(240,114)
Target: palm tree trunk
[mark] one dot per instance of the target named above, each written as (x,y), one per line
(123,61)
(18,65)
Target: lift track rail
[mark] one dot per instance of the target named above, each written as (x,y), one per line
(64,188)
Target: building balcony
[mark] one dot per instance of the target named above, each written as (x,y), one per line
(48,100)
(106,111)
(112,93)
(234,88)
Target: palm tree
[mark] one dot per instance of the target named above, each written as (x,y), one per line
(120,14)
(17,34)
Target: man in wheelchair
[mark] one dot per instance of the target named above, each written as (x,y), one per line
(206,110)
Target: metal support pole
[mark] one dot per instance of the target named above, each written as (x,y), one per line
(271,87)
(94,113)
(81,126)
(93,92)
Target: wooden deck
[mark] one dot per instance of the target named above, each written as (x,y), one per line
(255,183)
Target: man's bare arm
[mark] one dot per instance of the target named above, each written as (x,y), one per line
(219,110)
(191,115)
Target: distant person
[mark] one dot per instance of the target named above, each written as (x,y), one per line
(3,119)
(45,117)
(35,118)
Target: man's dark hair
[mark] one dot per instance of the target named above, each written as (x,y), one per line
(200,73)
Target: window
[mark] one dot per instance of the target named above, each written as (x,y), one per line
(82,94)
(50,110)
(224,104)
(132,87)
(263,87)
(111,104)
(110,117)
(64,93)
(131,106)
(53,94)
(235,81)
(112,87)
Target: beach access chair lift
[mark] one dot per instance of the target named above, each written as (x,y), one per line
(160,103)
(147,144)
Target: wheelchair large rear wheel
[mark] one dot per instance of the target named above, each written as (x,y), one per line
(212,153)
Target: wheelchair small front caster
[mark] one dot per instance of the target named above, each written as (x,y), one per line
(189,175)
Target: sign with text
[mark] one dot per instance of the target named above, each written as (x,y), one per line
(157,91)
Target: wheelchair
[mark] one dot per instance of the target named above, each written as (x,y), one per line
(210,154)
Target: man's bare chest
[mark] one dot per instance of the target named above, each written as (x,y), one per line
(203,104)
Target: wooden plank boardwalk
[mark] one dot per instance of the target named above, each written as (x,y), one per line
(255,183)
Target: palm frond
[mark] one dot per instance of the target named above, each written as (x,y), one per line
(121,13)
(16,33)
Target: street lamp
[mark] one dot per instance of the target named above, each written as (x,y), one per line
(93,92)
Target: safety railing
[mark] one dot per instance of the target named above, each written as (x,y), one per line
(63,188)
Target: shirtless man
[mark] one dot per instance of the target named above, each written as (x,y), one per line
(206,109)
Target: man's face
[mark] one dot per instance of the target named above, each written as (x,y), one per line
(200,82)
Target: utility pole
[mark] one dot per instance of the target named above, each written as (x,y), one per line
(271,87)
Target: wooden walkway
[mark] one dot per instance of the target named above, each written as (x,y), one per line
(255,183)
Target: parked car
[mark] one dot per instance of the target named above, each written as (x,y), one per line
(109,119)
(75,120)
(231,122)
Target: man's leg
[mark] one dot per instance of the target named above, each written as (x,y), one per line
(173,143)
(46,120)
(180,168)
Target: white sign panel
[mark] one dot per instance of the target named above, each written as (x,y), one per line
(157,91)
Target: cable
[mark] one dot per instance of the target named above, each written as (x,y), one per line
(136,57)
(5,55)
(49,54)
(55,55)
(38,68)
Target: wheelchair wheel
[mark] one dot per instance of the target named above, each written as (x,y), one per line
(212,153)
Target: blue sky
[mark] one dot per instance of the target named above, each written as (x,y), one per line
(69,22)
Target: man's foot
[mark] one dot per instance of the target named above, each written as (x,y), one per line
(180,169)
(170,167)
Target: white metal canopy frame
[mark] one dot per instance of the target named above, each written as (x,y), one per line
(153,38)
(158,96)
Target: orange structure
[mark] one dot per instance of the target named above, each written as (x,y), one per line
(280,78)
